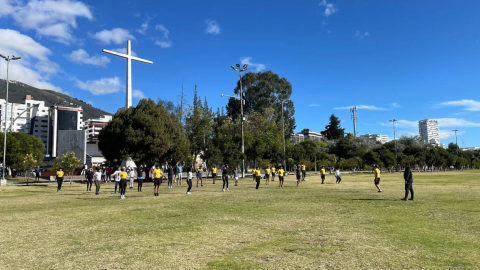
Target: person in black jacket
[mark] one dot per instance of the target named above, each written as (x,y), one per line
(89,177)
(407,175)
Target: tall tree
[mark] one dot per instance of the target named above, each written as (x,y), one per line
(18,146)
(333,131)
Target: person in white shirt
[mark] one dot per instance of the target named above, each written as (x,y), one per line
(132,174)
(189,179)
(116,176)
(98,178)
(338,175)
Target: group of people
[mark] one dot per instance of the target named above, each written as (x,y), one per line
(123,175)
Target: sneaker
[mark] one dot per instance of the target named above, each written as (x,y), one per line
(228,189)
(380,191)
(202,185)
(189,193)
(411,199)
(404,199)
(223,190)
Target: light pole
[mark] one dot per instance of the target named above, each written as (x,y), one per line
(3,182)
(240,70)
(456,141)
(394,136)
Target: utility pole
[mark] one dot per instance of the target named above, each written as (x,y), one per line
(353,110)
(456,140)
(182,101)
(238,69)
(394,136)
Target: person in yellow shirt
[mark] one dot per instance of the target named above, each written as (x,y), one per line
(157,180)
(304,172)
(267,175)
(273,173)
(60,174)
(280,176)
(214,173)
(253,174)
(322,174)
(257,177)
(123,182)
(377,178)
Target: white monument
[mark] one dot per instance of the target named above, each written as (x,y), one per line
(130,57)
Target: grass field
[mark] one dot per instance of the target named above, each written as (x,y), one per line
(314,226)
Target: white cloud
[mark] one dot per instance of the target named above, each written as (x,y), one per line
(100,87)
(163,42)
(80,56)
(361,107)
(314,105)
(395,105)
(54,19)
(402,123)
(89,102)
(257,66)
(115,36)
(442,123)
(468,104)
(445,134)
(361,35)
(329,8)
(143,28)
(138,94)
(212,27)
(124,51)
(35,68)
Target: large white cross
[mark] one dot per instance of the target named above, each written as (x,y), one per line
(130,57)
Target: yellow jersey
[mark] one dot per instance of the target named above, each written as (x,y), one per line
(60,173)
(123,175)
(267,171)
(322,171)
(304,167)
(257,173)
(157,173)
(280,172)
(377,173)
(214,170)
(273,169)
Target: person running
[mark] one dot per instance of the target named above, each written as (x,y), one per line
(225,177)
(199,176)
(304,172)
(116,177)
(109,174)
(37,174)
(89,177)
(253,174)
(157,180)
(267,175)
(170,176)
(214,174)
(189,179)
(140,177)
(338,176)
(273,173)
(257,177)
(299,174)
(377,178)
(322,174)
(281,177)
(98,179)
(123,182)
(179,170)
(407,175)
(60,174)
(235,174)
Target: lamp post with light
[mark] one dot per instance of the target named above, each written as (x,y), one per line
(239,70)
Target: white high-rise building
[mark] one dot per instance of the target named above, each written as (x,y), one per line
(429,131)
(375,138)
(93,126)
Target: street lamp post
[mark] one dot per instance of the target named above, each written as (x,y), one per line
(456,141)
(283,137)
(394,136)
(240,70)
(3,182)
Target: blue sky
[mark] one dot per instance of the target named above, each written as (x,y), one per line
(407,60)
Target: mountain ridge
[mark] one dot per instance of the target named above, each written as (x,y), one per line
(18,90)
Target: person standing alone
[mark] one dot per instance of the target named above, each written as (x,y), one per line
(89,176)
(214,174)
(189,179)
(98,179)
(140,177)
(280,177)
(37,174)
(267,175)
(60,174)
(338,175)
(123,182)
(225,177)
(322,174)
(407,175)
(304,172)
(157,180)
(257,177)
(377,178)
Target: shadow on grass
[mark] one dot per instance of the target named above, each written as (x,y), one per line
(38,191)
(370,200)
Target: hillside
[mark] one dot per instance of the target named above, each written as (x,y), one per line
(18,90)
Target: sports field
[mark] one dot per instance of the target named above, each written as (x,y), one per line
(314,226)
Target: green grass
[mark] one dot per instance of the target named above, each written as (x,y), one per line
(346,226)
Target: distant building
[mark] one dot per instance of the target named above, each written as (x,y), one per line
(306,134)
(470,149)
(429,131)
(375,138)
(16,118)
(93,126)
(63,118)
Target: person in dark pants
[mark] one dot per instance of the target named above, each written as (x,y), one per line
(257,177)
(225,177)
(37,174)
(89,177)
(189,179)
(60,174)
(170,176)
(407,175)
(140,177)
(97,176)
(123,182)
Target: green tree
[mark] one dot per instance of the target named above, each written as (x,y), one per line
(18,146)
(69,163)
(333,131)
(147,133)
(29,162)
